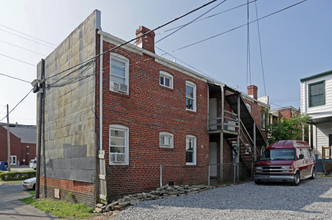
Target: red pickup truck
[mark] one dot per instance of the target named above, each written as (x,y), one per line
(286,161)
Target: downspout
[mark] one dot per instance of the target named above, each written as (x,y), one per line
(101,94)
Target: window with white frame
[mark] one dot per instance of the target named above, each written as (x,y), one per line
(119,73)
(119,145)
(166,140)
(166,79)
(191,150)
(190,96)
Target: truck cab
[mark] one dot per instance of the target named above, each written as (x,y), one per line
(286,161)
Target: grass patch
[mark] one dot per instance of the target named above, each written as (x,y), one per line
(62,209)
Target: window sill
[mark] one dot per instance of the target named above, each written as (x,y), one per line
(191,164)
(119,93)
(189,110)
(119,164)
(164,147)
(170,88)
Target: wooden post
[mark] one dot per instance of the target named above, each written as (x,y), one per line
(222,133)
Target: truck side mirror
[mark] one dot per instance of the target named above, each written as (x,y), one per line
(301,156)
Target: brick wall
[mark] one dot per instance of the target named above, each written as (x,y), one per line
(15,146)
(285,114)
(82,192)
(147,110)
(28,153)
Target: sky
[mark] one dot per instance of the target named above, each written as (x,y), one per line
(294,43)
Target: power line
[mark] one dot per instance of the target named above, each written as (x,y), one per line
(207,17)
(18,104)
(125,43)
(186,63)
(248,47)
(190,21)
(36,42)
(18,60)
(2,74)
(260,49)
(28,35)
(235,28)
(22,48)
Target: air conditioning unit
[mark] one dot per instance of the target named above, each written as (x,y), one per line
(119,87)
(117,157)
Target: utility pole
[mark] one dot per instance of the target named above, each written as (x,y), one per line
(39,88)
(8,139)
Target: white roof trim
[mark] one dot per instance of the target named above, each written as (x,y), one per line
(115,40)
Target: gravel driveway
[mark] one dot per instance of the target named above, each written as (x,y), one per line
(312,199)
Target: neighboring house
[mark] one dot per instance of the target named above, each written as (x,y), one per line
(22,143)
(316,101)
(129,120)
(284,112)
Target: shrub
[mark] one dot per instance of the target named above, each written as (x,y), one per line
(21,175)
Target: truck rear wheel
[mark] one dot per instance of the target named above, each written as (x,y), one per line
(313,173)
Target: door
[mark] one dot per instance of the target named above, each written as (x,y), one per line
(213,114)
(213,159)
(13,159)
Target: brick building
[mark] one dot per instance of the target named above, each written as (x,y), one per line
(22,143)
(126,120)
(284,112)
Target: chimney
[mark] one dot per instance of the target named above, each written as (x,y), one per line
(146,42)
(252,91)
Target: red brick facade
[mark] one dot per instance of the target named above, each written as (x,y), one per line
(82,192)
(23,151)
(148,110)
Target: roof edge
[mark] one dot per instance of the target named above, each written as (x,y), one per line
(316,76)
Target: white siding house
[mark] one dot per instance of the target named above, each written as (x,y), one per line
(316,101)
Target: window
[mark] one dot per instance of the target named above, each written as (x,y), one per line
(190,150)
(119,74)
(317,94)
(119,145)
(263,120)
(166,140)
(190,96)
(166,80)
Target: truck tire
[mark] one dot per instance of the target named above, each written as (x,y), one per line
(297,179)
(313,173)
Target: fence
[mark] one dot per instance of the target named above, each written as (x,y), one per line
(212,174)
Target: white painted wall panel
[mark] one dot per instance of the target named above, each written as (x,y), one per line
(317,111)
(323,131)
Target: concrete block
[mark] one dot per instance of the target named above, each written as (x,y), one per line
(79,151)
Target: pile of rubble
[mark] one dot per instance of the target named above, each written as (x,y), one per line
(162,192)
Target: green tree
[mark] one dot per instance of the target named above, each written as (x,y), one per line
(288,129)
